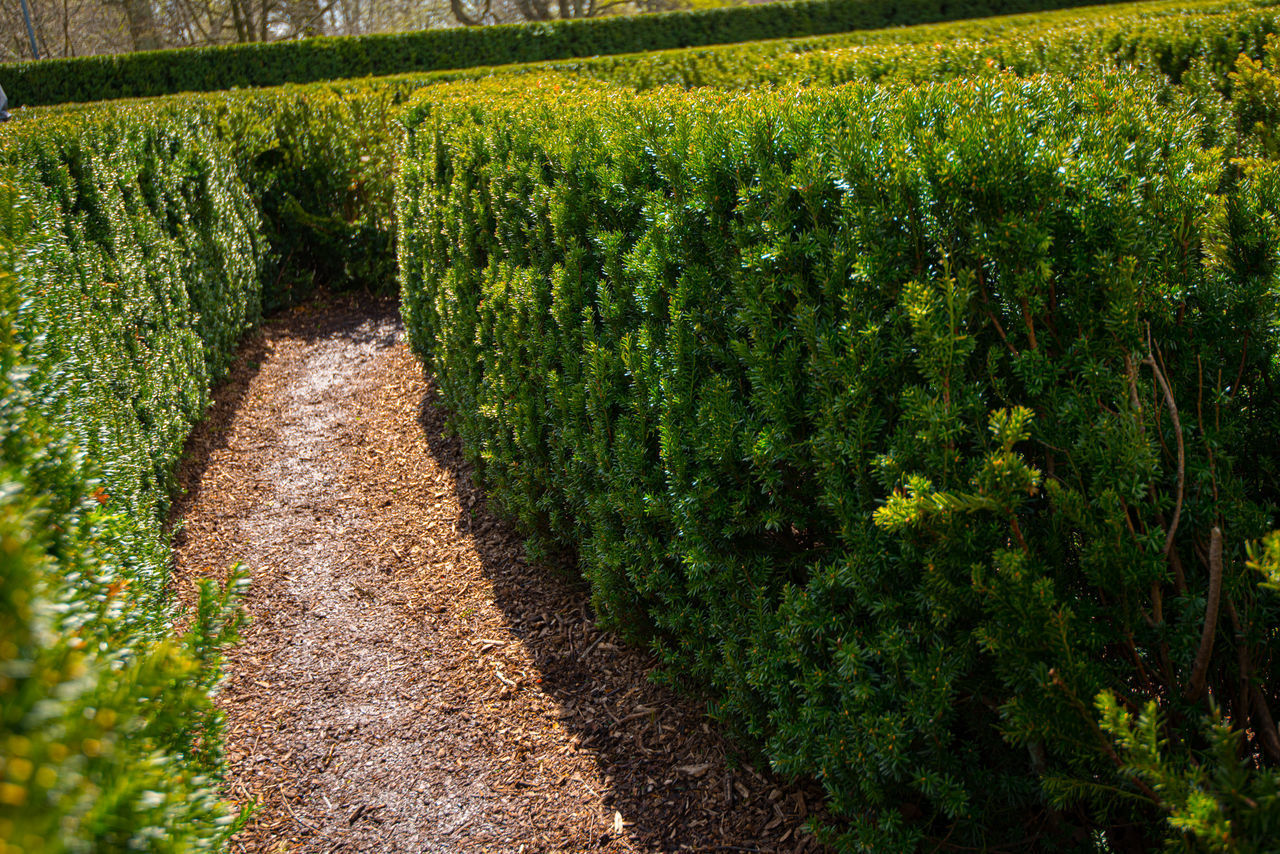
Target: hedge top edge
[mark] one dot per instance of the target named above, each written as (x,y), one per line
(105,77)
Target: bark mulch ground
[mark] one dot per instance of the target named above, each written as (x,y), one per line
(408,682)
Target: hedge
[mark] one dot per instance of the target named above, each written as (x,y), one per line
(138,242)
(239,188)
(164,72)
(1203,39)
(129,267)
(922,427)
(317,158)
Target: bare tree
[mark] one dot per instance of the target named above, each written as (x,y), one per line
(549,10)
(85,27)
(142,24)
(64,28)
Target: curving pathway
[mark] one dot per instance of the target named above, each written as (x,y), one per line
(407,682)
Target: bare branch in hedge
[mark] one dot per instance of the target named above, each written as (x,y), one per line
(1177,433)
(1196,686)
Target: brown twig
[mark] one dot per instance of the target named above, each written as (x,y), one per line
(1030,324)
(1263,724)
(1017,533)
(1177,433)
(1131,371)
(1195,688)
(1103,738)
(986,309)
(1244,351)
(1137,662)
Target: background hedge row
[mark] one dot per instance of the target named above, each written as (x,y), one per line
(154,73)
(1177,39)
(922,426)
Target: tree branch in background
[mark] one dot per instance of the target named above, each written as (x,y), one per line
(466,18)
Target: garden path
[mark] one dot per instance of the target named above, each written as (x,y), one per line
(408,682)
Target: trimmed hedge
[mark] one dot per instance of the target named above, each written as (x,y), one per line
(137,243)
(129,267)
(317,161)
(96,78)
(912,423)
(1176,39)
(317,157)
(185,204)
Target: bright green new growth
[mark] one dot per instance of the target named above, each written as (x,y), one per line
(899,417)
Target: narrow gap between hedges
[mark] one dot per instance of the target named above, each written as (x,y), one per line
(408,682)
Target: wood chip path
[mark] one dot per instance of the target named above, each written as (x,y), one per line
(408,682)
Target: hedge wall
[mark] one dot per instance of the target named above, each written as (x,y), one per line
(924,427)
(129,267)
(317,158)
(1175,38)
(138,233)
(153,73)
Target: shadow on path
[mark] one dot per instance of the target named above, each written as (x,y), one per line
(408,681)
(678,784)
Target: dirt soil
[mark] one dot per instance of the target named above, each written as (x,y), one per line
(408,682)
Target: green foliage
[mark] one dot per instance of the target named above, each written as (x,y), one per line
(96,78)
(1256,98)
(128,271)
(1196,42)
(1216,801)
(1264,557)
(898,418)
(317,161)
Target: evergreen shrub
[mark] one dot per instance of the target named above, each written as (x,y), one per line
(129,267)
(152,73)
(317,158)
(1200,40)
(629,287)
(927,428)
(317,161)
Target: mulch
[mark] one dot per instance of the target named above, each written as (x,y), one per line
(408,681)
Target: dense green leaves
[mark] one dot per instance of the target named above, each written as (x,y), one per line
(1196,43)
(97,78)
(130,270)
(317,162)
(899,418)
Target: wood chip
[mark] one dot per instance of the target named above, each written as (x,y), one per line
(392,712)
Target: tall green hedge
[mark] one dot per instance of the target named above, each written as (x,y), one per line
(97,78)
(316,157)
(923,426)
(129,267)
(779,257)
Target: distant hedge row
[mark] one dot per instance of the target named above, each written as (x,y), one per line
(153,73)
(1175,38)
(129,268)
(928,427)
